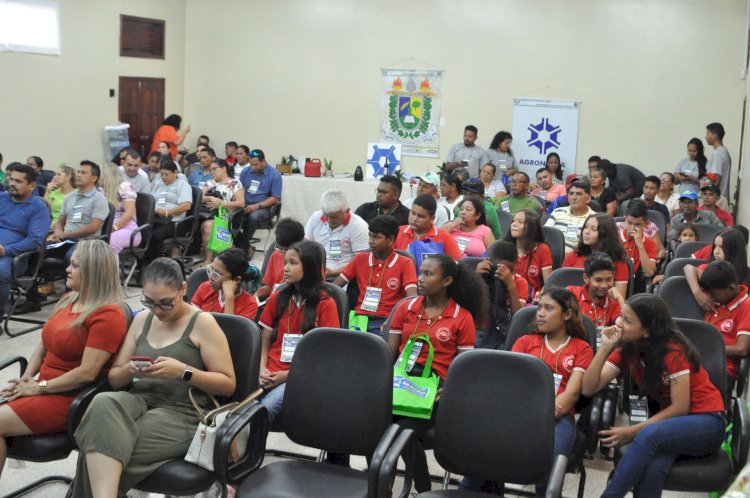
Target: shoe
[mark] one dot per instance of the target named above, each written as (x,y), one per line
(251,252)
(28,307)
(47,289)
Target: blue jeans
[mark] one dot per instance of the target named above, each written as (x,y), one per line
(645,466)
(6,263)
(273,401)
(374,323)
(565,437)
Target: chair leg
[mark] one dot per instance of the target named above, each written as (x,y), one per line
(581,481)
(38,483)
(446,479)
(130,275)
(10,318)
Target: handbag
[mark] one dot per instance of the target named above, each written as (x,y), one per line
(312,167)
(221,235)
(201,451)
(414,396)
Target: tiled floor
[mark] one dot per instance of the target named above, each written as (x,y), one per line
(18,474)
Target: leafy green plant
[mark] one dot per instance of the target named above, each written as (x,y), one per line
(328,164)
(400,175)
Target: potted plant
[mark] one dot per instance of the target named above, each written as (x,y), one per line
(286,165)
(328,165)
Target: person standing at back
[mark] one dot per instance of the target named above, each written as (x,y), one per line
(466,154)
(720,163)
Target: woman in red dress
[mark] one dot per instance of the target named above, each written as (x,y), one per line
(78,342)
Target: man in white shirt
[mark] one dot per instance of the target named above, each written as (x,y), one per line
(570,219)
(720,163)
(466,154)
(341,232)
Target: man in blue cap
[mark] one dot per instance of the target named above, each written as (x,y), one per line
(689,214)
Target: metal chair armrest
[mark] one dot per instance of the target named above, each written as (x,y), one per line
(136,232)
(81,402)
(557,478)
(256,416)
(383,465)
(22,362)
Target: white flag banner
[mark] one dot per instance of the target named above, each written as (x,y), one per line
(541,127)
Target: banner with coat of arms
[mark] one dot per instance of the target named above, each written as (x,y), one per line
(410,103)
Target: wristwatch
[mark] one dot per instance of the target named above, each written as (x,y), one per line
(188,373)
(43,387)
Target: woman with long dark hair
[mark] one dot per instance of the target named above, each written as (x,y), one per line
(169,132)
(534,255)
(501,155)
(691,168)
(554,164)
(656,360)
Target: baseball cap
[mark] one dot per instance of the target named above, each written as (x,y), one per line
(711,188)
(431,178)
(712,177)
(689,195)
(473,185)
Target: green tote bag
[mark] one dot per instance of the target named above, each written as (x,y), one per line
(221,235)
(414,396)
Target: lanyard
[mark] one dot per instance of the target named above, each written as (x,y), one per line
(382,274)
(289,313)
(557,359)
(440,315)
(601,322)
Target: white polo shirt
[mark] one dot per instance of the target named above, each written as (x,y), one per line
(342,242)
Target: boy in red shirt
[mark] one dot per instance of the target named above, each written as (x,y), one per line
(421,228)
(732,316)
(287,232)
(641,249)
(598,297)
(383,277)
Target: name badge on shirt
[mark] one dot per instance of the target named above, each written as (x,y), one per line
(335,248)
(161,199)
(254,184)
(462,242)
(412,357)
(503,164)
(558,380)
(505,206)
(372,299)
(599,336)
(572,232)
(288,345)
(638,409)
(78,212)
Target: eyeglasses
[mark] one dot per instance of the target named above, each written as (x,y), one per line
(148,303)
(212,274)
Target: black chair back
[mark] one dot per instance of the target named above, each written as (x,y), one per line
(145,212)
(520,326)
(194,281)
(342,302)
(339,402)
(686,249)
(563,277)
(194,212)
(487,425)
(709,343)
(267,258)
(594,205)
(108,223)
(676,267)
(676,292)
(555,239)
(128,311)
(631,277)
(505,219)
(707,232)
(471,262)
(243,336)
(387,324)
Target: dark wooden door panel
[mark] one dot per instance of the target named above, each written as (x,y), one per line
(142,107)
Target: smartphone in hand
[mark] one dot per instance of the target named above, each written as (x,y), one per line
(141,362)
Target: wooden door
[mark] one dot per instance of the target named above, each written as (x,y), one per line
(142,107)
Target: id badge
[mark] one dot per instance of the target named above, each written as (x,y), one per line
(638,409)
(161,199)
(372,299)
(276,286)
(599,336)
(505,206)
(413,356)
(463,243)
(254,184)
(335,249)
(572,232)
(288,345)
(77,213)
(558,380)
(503,165)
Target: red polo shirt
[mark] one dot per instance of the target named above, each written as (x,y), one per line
(274,270)
(704,397)
(406,236)
(393,276)
(622,274)
(724,216)
(651,250)
(291,321)
(732,320)
(531,264)
(603,312)
(452,331)
(703,252)
(207,299)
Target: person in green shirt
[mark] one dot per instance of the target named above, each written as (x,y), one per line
(2,174)
(519,196)
(57,189)
(474,186)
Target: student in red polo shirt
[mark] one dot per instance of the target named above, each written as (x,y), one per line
(223,292)
(729,245)
(421,228)
(640,249)
(660,362)
(599,298)
(287,232)
(599,233)
(732,316)
(290,312)
(451,301)
(559,341)
(383,276)
(534,256)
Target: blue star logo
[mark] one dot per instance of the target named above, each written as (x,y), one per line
(544,136)
(384,154)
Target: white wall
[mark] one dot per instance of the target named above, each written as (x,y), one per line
(56,106)
(303,76)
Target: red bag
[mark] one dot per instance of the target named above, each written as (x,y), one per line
(313,167)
